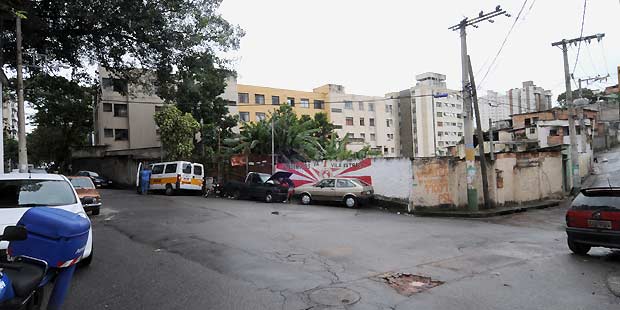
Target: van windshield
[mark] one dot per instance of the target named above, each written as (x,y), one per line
(35,193)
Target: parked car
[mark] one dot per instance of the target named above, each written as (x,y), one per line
(351,192)
(259,186)
(88,193)
(22,191)
(175,176)
(593,220)
(99,180)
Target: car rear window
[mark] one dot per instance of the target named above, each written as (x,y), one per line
(82,183)
(197,170)
(187,168)
(602,198)
(35,193)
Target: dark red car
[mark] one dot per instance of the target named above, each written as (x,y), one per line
(593,220)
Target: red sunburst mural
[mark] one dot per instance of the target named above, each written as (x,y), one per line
(304,173)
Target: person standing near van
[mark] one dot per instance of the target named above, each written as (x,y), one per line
(145,180)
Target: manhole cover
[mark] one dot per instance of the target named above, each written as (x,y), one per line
(334,296)
(409,284)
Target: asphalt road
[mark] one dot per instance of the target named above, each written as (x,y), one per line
(187,252)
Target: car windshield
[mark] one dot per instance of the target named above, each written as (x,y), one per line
(93,174)
(82,183)
(35,193)
(608,199)
(264,177)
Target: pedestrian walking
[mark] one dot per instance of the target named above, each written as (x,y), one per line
(145,180)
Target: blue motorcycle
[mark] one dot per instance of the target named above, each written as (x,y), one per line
(44,248)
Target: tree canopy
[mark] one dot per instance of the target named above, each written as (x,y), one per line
(177,131)
(587,94)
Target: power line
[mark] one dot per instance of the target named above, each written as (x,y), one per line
(502,46)
(583,19)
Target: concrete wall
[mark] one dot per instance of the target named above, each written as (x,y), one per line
(390,177)
(121,170)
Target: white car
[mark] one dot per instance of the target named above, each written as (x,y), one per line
(22,191)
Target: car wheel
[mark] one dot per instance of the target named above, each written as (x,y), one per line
(350,201)
(578,248)
(305,199)
(268,197)
(96,211)
(169,190)
(236,194)
(87,261)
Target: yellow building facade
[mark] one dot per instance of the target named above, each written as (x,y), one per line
(257,102)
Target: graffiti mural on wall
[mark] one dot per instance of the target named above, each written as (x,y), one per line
(312,172)
(433,178)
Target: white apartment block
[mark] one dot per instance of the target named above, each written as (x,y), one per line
(366,120)
(529,98)
(9,117)
(493,106)
(429,123)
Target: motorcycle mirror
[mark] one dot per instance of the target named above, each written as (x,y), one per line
(14,233)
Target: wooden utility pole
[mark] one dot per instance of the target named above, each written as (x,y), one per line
(21,116)
(480,136)
(470,155)
(571,107)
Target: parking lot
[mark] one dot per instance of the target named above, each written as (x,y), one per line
(188,252)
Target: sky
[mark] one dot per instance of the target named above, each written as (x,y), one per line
(376,47)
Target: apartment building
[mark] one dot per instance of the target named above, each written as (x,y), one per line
(366,120)
(493,106)
(529,98)
(255,103)
(430,117)
(9,117)
(124,114)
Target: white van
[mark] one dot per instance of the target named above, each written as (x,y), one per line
(176,175)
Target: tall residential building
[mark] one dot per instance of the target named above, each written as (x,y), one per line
(366,120)
(9,117)
(429,124)
(254,103)
(493,106)
(124,115)
(529,98)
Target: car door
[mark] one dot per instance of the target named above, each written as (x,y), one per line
(343,187)
(186,176)
(324,190)
(198,176)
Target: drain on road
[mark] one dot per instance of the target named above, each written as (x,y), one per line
(408,284)
(334,296)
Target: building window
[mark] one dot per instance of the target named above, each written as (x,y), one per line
(440,133)
(244,117)
(439,124)
(438,104)
(389,122)
(371,122)
(392,151)
(260,116)
(319,104)
(348,105)
(244,98)
(390,136)
(336,110)
(460,125)
(120,110)
(361,106)
(440,143)
(349,121)
(121,134)
(259,99)
(362,121)
(439,114)
(373,137)
(350,135)
(108,132)
(533,130)
(528,122)
(337,126)
(107,107)
(371,106)
(458,106)
(275,100)
(290,101)
(460,134)
(553,132)
(305,103)
(363,135)
(117,85)
(388,108)
(385,150)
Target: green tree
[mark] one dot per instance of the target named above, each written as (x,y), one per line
(587,94)
(63,118)
(10,150)
(177,131)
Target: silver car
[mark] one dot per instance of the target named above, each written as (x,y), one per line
(351,192)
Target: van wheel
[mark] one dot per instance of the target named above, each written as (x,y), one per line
(350,201)
(305,199)
(169,190)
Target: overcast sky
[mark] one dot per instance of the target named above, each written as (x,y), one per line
(375,47)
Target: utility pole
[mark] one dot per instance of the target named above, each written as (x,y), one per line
(491,140)
(3,81)
(470,156)
(273,147)
(571,107)
(480,136)
(23,153)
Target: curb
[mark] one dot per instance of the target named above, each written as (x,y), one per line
(486,213)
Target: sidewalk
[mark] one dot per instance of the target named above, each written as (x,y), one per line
(487,213)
